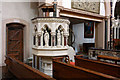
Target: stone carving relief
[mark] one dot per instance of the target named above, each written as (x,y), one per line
(46,38)
(87,6)
(51,35)
(58,38)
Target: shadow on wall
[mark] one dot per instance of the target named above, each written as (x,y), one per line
(34,6)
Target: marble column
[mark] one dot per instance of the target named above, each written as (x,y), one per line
(36,42)
(66,38)
(42,38)
(118,33)
(62,38)
(114,32)
(53,38)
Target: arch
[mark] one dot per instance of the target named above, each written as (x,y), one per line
(26,33)
(44,26)
(60,26)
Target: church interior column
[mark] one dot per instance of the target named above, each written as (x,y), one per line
(118,33)
(62,38)
(66,40)
(53,38)
(36,42)
(41,38)
(114,32)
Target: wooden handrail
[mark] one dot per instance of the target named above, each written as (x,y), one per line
(67,60)
(116,59)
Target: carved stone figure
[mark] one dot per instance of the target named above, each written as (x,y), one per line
(58,38)
(46,38)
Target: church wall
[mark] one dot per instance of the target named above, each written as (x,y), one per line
(100,35)
(78,30)
(69,5)
(68,2)
(102,8)
(20,12)
(113,7)
(1,40)
(107,14)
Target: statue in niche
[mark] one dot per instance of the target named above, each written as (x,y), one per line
(46,38)
(58,38)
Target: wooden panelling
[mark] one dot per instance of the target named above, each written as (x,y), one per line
(23,71)
(116,59)
(63,71)
(15,40)
(106,68)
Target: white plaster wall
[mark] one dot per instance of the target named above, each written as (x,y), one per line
(66,3)
(0,36)
(59,2)
(113,7)
(20,10)
(0,41)
(102,8)
(78,30)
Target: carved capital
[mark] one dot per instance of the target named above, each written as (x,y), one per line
(57,20)
(53,33)
(39,33)
(66,34)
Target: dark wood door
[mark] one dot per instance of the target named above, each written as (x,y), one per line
(15,40)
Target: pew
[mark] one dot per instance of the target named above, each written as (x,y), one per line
(99,66)
(23,71)
(64,71)
(116,59)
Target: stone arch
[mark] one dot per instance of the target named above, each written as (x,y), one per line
(45,26)
(61,27)
(26,33)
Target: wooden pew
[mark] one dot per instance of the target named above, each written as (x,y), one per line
(23,71)
(63,71)
(106,68)
(116,59)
